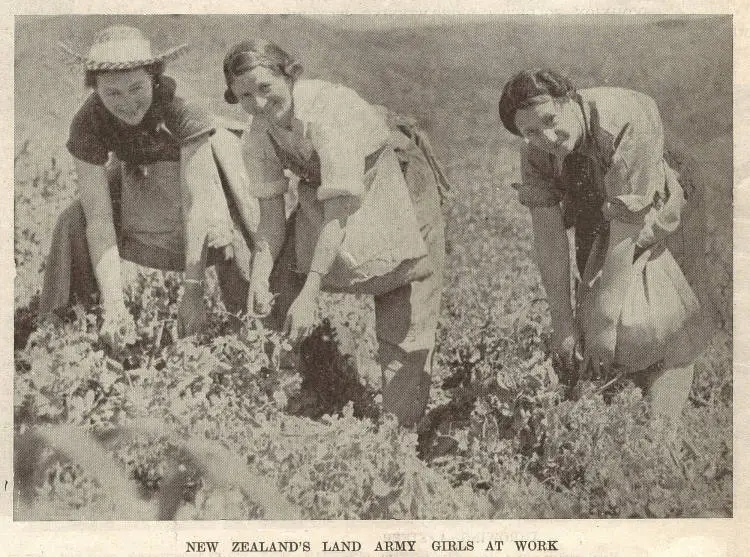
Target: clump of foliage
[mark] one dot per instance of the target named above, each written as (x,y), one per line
(228,388)
(503,442)
(330,378)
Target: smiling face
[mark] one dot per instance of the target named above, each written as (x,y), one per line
(264,91)
(555,125)
(126,94)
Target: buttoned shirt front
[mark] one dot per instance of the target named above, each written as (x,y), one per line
(333,124)
(625,141)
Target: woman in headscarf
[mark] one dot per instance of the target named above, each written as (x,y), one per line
(593,159)
(368,218)
(150,189)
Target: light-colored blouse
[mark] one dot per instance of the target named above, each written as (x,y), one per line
(625,139)
(330,120)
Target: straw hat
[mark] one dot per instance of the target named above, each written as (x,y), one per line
(121,48)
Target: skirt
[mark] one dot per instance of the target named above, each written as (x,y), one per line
(646,307)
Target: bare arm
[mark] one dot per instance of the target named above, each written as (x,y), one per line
(553,260)
(301,314)
(268,243)
(204,206)
(336,211)
(100,233)
(272,226)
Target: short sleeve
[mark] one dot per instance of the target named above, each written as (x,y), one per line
(666,215)
(263,166)
(342,166)
(344,131)
(86,141)
(537,187)
(636,173)
(187,121)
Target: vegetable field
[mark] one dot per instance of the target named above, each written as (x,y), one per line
(232,424)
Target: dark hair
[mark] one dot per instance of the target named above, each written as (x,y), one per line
(155,70)
(524,86)
(251,53)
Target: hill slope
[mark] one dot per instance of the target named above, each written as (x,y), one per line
(449,76)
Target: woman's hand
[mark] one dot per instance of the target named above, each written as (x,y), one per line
(565,355)
(259,299)
(301,315)
(191,314)
(599,354)
(565,342)
(118,329)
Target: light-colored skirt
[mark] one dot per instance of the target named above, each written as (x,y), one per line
(646,307)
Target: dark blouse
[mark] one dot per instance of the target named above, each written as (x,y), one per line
(169,123)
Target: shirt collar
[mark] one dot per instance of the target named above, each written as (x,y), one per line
(587,146)
(592,128)
(308,98)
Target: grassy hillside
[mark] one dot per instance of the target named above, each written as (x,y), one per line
(448,75)
(458,68)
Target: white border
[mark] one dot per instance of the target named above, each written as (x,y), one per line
(589,538)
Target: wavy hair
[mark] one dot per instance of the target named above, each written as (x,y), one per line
(249,54)
(525,88)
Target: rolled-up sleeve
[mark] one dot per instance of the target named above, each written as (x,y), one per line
(342,166)
(537,187)
(263,166)
(664,217)
(640,185)
(344,130)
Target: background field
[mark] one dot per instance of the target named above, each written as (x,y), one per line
(498,441)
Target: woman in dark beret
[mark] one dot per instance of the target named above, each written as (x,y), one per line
(593,159)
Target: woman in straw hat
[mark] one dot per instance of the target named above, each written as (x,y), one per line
(369,215)
(150,189)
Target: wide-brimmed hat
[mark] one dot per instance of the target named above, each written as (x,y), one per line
(121,48)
